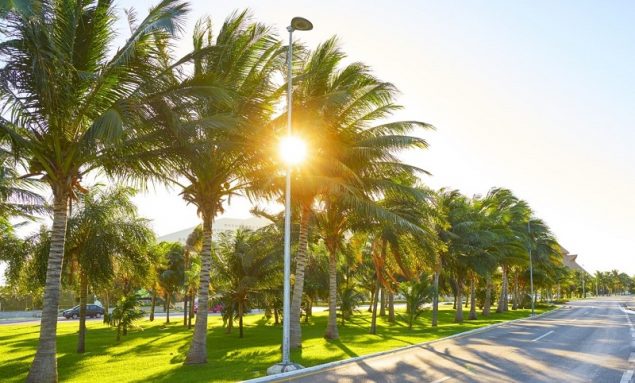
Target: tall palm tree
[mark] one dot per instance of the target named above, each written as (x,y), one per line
(353,158)
(69,106)
(217,140)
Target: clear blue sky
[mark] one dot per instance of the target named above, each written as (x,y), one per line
(536,96)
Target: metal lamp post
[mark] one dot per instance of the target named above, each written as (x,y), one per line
(531,269)
(297,24)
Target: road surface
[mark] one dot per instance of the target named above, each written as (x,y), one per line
(586,341)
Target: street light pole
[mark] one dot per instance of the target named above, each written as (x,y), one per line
(531,269)
(300,24)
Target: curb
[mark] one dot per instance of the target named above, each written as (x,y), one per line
(286,376)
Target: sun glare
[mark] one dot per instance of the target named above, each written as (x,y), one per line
(292,150)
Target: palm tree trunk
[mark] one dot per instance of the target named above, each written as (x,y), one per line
(154,302)
(373,319)
(331,328)
(240,320)
(488,295)
(186,264)
(185,311)
(458,317)
(298,287)
(309,310)
(391,307)
(382,302)
(516,289)
(472,315)
(107,308)
(435,300)
(83,295)
(372,299)
(502,301)
(276,319)
(167,308)
(189,319)
(44,366)
(198,349)
(230,320)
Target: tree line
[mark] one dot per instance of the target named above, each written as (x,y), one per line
(365,225)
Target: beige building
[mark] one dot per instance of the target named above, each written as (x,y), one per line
(221,225)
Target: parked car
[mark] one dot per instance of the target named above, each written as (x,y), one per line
(214,309)
(92,311)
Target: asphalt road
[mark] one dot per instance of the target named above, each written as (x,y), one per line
(586,341)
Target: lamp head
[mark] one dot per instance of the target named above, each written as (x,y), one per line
(301,24)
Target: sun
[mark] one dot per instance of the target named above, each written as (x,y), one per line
(292,150)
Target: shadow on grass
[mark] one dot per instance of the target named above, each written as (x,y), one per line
(230,357)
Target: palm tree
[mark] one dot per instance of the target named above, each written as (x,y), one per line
(508,215)
(69,107)
(332,104)
(171,273)
(354,159)
(398,250)
(246,263)
(104,229)
(126,311)
(217,140)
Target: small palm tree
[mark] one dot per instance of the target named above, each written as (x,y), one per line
(171,272)
(247,265)
(125,313)
(416,292)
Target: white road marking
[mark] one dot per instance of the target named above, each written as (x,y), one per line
(542,336)
(442,379)
(628,375)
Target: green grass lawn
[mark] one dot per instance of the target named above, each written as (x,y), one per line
(156,353)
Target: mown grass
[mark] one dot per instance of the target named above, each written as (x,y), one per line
(156,353)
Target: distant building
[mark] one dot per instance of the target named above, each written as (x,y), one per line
(221,225)
(569,260)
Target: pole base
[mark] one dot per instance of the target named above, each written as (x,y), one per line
(279,368)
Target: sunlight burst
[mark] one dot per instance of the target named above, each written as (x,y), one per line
(292,150)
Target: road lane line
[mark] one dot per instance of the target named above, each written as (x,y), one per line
(442,379)
(628,375)
(542,336)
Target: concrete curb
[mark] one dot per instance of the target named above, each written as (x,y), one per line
(286,376)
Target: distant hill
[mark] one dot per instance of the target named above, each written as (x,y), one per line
(221,225)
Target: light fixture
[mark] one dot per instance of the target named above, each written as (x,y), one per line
(301,24)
